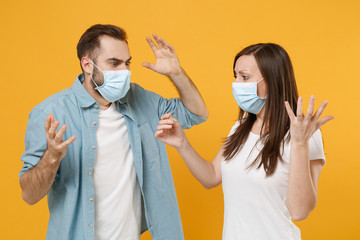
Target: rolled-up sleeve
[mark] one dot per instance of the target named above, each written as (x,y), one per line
(175,106)
(35,140)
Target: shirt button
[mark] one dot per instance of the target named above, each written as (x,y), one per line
(91,199)
(90,173)
(93,147)
(90,225)
(94,123)
(96,105)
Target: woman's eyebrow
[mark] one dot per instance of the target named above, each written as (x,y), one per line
(242,71)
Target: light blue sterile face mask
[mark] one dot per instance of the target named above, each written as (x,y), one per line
(116,84)
(245,94)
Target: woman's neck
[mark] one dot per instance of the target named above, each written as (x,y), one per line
(256,128)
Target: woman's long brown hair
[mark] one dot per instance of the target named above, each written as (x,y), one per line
(276,68)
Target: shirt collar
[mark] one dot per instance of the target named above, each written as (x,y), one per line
(84,98)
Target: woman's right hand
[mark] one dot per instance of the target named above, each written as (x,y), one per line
(170,132)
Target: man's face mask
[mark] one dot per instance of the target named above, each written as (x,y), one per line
(116,84)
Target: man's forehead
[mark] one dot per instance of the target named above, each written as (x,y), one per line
(113,48)
(110,39)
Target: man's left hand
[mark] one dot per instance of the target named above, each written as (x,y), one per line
(167,62)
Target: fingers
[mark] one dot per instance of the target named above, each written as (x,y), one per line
(166,121)
(171,48)
(174,119)
(49,120)
(50,127)
(323,121)
(311,121)
(158,133)
(148,65)
(60,134)
(162,43)
(299,112)
(310,109)
(52,130)
(318,114)
(171,118)
(68,142)
(151,44)
(164,127)
(289,110)
(320,110)
(166,115)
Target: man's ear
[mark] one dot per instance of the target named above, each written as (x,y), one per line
(86,65)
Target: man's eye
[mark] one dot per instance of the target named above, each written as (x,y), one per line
(128,63)
(245,77)
(114,63)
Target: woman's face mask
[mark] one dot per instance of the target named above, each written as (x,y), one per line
(245,94)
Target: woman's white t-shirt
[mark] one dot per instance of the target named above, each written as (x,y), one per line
(255,206)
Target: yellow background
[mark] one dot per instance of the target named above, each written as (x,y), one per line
(38,58)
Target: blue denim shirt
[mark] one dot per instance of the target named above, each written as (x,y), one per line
(70,199)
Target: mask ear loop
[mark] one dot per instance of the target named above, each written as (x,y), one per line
(96,66)
(258,83)
(91,74)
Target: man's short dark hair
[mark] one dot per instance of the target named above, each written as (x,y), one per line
(89,43)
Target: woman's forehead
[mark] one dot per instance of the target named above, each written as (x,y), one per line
(246,63)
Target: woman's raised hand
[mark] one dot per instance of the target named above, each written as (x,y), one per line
(169,131)
(303,127)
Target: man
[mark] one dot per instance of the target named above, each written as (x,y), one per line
(105,175)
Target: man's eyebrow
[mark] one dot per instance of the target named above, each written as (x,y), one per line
(129,59)
(114,59)
(118,60)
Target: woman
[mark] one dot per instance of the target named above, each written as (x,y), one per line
(271,161)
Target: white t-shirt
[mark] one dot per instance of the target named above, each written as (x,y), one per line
(255,206)
(117,192)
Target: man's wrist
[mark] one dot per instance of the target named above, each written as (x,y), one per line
(178,75)
(51,158)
